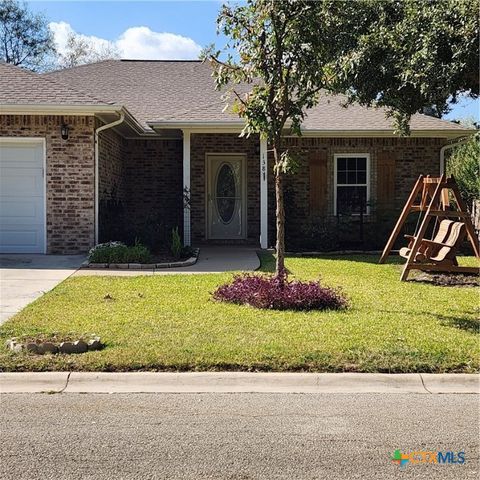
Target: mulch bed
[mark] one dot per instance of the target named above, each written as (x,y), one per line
(447,279)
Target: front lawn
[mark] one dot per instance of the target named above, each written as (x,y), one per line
(170,322)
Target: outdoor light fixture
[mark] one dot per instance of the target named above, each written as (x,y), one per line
(64,131)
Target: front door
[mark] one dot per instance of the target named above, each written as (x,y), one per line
(226,212)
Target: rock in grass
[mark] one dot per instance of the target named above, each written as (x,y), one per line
(95,344)
(32,347)
(80,346)
(13,345)
(66,347)
(47,347)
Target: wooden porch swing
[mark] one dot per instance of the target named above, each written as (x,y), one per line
(439,253)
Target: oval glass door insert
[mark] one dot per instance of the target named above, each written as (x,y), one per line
(226,192)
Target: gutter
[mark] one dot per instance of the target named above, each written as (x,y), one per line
(222,126)
(52,109)
(462,141)
(97,131)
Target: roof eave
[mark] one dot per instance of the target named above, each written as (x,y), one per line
(213,126)
(220,126)
(57,109)
(417,133)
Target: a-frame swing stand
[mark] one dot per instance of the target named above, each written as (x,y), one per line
(435,202)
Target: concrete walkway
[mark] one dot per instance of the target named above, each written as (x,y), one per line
(212,259)
(23,278)
(237,382)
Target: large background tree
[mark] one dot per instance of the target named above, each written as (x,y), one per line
(80,50)
(404,55)
(25,38)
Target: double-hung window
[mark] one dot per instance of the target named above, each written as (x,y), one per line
(352,183)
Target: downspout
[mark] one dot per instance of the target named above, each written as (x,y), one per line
(448,147)
(97,183)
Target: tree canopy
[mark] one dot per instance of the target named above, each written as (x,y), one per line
(404,55)
(25,38)
(80,50)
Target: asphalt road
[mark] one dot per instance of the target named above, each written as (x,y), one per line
(233,436)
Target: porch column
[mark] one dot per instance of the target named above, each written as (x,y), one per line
(186,188)
(263,194)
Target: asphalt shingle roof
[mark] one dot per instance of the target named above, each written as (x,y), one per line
(175,91)
(22,87)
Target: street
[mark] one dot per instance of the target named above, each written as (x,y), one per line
(234,436)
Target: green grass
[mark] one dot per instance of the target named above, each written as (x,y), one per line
(171,323)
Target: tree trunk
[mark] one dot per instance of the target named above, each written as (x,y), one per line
(280,216)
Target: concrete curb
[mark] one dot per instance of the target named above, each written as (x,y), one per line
(237,382)
(33,382)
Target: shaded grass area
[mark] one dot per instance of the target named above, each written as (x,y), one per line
(171,323)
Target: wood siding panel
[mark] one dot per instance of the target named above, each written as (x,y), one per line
(386,180)
(318,183)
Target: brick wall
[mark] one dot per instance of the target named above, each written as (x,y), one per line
(147,175)
(413,156)
(111,165)
(154,181)
(69,176)
(201,145)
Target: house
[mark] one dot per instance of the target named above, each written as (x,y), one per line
(153,137)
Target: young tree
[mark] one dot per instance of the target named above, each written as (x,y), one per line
(25,38)
(404,55)
(274,77)
(80,50)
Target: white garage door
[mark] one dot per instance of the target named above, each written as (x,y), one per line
(22,196)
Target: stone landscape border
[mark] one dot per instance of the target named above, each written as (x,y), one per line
(48,346)
(143,266)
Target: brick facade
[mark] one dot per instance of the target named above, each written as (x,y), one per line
(146,175)
(154,181)
(111,165)
(412,156)
(69,177)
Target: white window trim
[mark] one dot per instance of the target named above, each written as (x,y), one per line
(336,156)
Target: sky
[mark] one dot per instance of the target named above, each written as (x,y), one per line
(156,30)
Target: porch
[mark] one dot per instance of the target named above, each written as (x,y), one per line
(211,186)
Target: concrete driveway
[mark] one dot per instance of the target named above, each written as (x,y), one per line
(23,278)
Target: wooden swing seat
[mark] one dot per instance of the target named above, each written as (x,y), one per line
(438,254)
(442,249)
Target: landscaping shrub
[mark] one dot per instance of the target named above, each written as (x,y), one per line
(176,246)
(278,293)
(118,252)
(464,166)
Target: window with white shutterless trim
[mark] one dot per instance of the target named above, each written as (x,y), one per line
(352,183)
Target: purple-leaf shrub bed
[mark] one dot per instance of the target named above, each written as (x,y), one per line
(278,293)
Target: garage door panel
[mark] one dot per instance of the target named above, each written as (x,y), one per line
(28,183)
(21,155)
(22,202)
(18,237)
(14,211)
